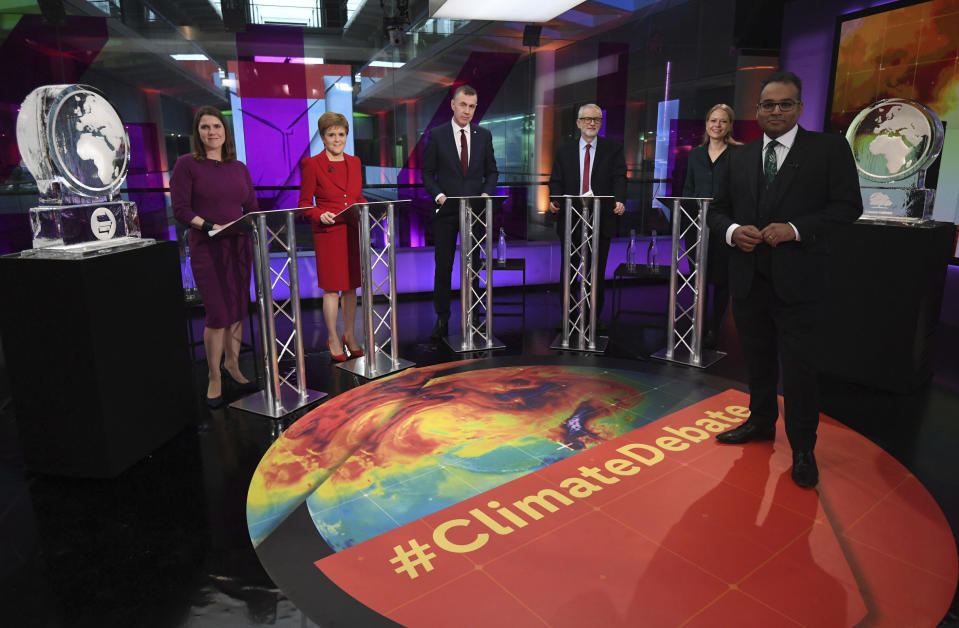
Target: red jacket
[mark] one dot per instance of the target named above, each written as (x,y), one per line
(319,190)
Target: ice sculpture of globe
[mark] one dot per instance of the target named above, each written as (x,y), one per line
(73,141)
(894,141)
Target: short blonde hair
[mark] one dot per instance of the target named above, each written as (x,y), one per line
(729,139)
(331,119)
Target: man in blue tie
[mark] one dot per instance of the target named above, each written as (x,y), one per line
(781,195)
(458,161)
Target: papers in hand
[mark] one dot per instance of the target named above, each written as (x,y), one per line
(213,232)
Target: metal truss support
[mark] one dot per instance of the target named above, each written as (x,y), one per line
(284,392)
(476,285)
(580,269)
(380,357)
(684,323)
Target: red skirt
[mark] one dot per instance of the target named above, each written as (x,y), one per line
(337,257)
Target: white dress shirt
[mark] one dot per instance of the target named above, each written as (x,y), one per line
(783,144)
(456,138)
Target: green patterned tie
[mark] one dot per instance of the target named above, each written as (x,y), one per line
(769,163)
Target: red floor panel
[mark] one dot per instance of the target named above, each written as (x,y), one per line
(720,527)
(455,605)
(596,571)
(898,594)
(810,581)
(886,528)
(737,609)
(692,533)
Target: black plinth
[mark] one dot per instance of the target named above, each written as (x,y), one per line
(882,304)
(98,358)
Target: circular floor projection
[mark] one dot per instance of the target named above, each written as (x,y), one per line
(524,492)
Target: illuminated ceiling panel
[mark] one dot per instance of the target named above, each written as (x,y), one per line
(501,10)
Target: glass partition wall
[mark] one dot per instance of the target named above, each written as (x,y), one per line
(654,67)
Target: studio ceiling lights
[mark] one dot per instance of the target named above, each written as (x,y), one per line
(501,10)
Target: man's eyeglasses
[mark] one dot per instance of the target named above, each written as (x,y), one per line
(784,105)
(591,120)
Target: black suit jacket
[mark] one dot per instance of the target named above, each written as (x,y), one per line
(816,187)
(608,178)
(442,173)
(702,174)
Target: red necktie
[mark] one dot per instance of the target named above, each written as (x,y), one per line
(586,171)
(464,151)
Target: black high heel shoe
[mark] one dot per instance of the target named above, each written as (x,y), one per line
(244,387)
(214,402)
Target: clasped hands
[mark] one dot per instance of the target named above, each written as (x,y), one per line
(619,210)
(748,237)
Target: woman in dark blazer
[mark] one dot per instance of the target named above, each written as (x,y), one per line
(331,182)
(706,168)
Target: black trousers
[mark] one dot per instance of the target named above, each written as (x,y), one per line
(775,333)
(446,226)
(717,278)
(601,259)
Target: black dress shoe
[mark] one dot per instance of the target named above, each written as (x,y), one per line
(440,330)
(805,472)
(747,432)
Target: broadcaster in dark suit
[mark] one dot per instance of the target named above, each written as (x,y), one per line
(606,167)
(450,169)
(780,197)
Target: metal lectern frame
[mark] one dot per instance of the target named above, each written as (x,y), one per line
(577,334)
(680,347)
(281,395)
(475,336)
(379,358)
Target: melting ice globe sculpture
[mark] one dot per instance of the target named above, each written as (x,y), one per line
(894,141)
(74,144)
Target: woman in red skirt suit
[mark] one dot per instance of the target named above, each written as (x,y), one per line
(331,182)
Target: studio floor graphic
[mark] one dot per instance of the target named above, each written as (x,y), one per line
(529,493)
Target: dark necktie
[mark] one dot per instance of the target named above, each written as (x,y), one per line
(769,163)
(464,151)
(586,171)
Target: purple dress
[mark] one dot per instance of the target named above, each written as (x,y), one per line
(218,192)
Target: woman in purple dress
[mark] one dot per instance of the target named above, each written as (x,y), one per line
(210,189)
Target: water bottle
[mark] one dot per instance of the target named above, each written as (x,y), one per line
(501,249)
(631,251)
(190,291)
(651,253)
